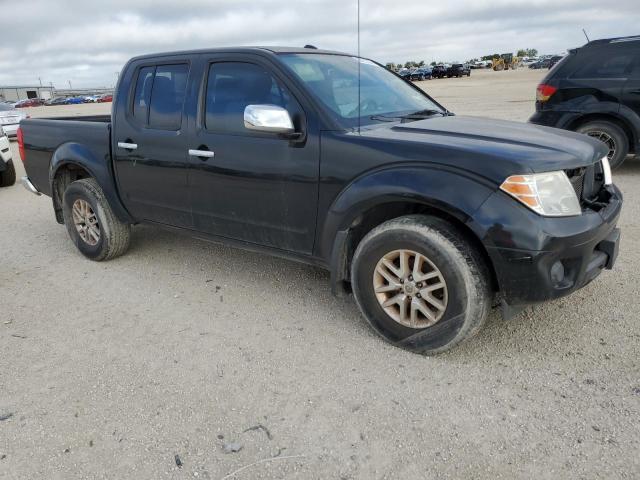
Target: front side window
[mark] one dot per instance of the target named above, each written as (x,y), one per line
(357,98)
(159,96)
(231,86)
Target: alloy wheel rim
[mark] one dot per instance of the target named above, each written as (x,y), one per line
(86,222)
(606,139)
(410,288)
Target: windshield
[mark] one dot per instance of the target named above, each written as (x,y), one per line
(333,79)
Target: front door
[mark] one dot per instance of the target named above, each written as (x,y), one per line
(251,186)
(150,143)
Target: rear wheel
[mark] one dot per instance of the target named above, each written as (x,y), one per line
(612,136)
(420,284)
(8,177)
(90,222)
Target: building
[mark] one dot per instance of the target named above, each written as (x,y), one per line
(13,93)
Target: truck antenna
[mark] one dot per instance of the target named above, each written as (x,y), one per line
(359,118)
(585,34)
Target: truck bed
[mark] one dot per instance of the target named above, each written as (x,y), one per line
(64,138)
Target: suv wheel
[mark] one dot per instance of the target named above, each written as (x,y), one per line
(420,284)
(8,177)
(612,136)
(91,224)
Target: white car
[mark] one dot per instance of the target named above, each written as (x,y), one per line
(7,170)
(10,119)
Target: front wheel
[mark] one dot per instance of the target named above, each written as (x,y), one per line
(90,222)
(420,284)
(8,177)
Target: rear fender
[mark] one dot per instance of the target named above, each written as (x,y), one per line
(98,167)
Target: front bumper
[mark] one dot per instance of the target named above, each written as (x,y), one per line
(11,130)
(568,252)
(5,149)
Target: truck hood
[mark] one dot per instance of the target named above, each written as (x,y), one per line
(495,148)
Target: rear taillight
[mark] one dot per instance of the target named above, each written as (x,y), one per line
(544,92)
(21,144)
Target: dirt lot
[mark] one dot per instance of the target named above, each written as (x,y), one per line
(110,370)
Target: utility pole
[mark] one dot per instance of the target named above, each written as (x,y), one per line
(70,87)
(40,80)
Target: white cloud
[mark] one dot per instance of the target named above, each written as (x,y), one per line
(80,41)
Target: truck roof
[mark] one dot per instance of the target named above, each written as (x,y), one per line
(243,49)
(632,38)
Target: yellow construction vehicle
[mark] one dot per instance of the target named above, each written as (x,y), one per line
(505,61)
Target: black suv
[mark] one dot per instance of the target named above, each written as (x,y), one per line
(458,70)
(596,90)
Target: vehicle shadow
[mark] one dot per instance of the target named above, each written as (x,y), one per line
(305,290)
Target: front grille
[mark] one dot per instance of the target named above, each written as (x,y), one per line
(576,177)
(587,182)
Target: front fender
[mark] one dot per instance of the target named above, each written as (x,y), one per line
(451,191)
(99,167)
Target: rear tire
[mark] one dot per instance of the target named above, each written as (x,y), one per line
(611,135)
(8,177)
(90,222)
(460,303)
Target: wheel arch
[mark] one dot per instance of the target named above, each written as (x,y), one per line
(73,161)
(618,120)
(358,210)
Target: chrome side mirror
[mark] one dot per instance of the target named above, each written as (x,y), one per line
(268,118)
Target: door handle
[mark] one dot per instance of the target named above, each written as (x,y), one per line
(201,153)
(127,146)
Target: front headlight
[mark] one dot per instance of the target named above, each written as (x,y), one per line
(549,194)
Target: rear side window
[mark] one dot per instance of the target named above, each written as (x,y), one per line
(605,64)
(231,86)
(159,96)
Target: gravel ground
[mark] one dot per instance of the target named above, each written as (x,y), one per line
(187,350)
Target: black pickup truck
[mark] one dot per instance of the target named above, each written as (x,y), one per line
(329,159)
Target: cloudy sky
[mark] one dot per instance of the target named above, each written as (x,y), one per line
(87,42)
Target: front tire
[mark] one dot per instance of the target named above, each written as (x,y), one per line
(420,284)
(8,177)
(90,222)
(612,136)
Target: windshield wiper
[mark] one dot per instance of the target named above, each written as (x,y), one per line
(424,113)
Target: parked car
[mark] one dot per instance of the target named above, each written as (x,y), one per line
(10,119)
(595,90)
(420,73)
(458,70)
(74,100)
(553,60)
(439,71)
(7,169)
(91,98)
(405,73)
(543,63)
(56,101)
(29,102)
(425,216)
(107,97)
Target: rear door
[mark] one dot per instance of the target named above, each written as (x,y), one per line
(631,90)
(254,186)
(150,141)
